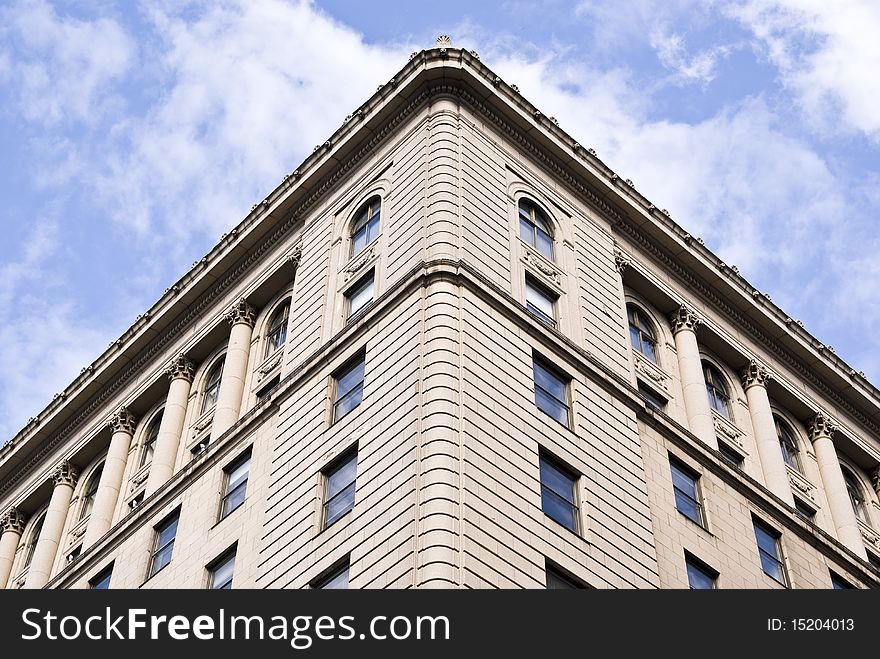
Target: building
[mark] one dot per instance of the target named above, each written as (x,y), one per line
(452,349)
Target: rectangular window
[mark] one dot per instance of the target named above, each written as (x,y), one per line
(266,391)
(874,560)
(551,392)
(136,502)
(221,571)
(349,386)
(360,295)
(101,581)
(839,583)
(770,551)
(653,399)
(164,545)
(730,456)
(687,492)
(700,576)
(336,579)
(236,485)
(804,511)
(339,485)
(540,302)
(556,579)
(559,493)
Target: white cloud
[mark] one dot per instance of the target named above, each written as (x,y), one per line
(827,53)
(687,68)
(63,65)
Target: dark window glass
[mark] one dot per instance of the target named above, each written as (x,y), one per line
(534,229)
(165,534)
(212,385)
(137,501)
(336,580)
(551,393)
(839,583)
(558,494)
(266,391)
(540,302)
(730,456)
(641,335)
(339,486)
(236,485)
(221,572)
(557,580)
(102,580)
(700,577)
(366,226)
(653,399)
(787,444)
(32,543)
(719,399)
(360,295)
(349,388)
(770,552)
(276,334)
(856,498)
(91,492)
(150,440)
(874,560)
(804,511)
(687,495)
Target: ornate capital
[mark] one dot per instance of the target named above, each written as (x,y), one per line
(755,374)
(122,421)
(296,256)
(875,479)
(620,261)
(242,312)
(684,318)
(821,426)
(13,521)
(181,367)
(65,473)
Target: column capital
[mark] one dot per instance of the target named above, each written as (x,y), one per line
(242,312)
(621,262)
(755,374)
(122,421)
(65,473)
(875,479)
(13,521)
(821,426)
(181,367)
(684,318)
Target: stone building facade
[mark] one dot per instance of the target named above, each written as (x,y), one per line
(452,349)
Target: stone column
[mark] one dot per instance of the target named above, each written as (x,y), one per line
(171,427)
(235,365)
(754,379)
(696,400)
(845,522)
(122,424)
(11,528)
(64,477)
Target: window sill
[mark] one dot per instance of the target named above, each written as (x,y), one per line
(343,517)
(152,576)
(227,516)
(697,524)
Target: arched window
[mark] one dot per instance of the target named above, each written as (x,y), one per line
(366,225)
(150,440)
(788,444)
(212,385)
(32,541)
(719,399)
(91,491)
(534,228)
(641,334)
(856,498)
(276,334)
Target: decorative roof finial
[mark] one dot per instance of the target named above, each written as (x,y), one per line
(443,41)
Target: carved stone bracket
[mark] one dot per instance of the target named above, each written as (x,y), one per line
(621,262)
(650,370)
(181,367)
(802,485)
(203,424)
(359,262)
(122,421)
(541,266)
(684,318)
(875,480)
(295,256)
(65,473)
(13,521)
(821,426)
(727,431)
(755,374)
(269,365)
(242,312)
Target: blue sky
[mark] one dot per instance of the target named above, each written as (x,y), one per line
(133,134)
